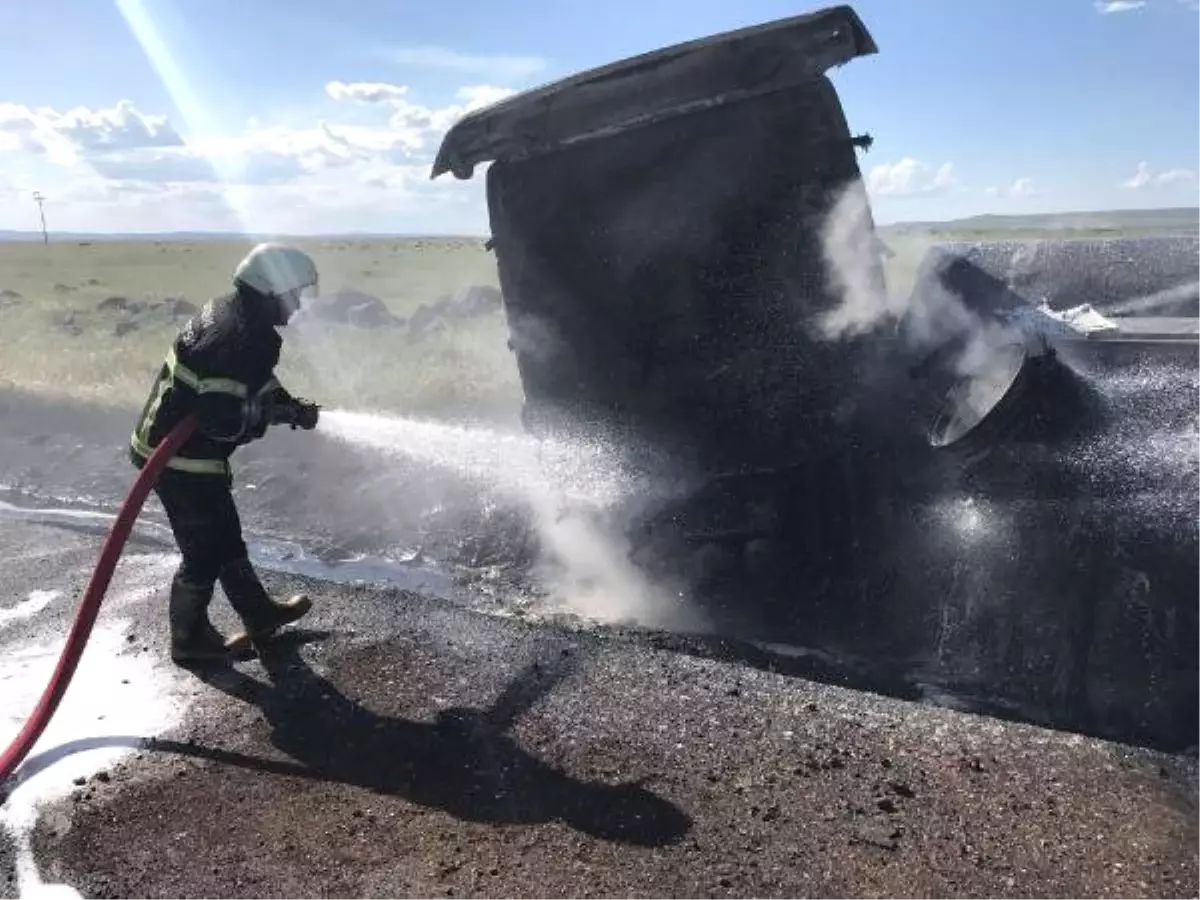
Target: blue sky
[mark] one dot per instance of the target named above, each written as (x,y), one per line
(311,116)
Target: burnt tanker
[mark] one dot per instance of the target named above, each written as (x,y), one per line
(983,489)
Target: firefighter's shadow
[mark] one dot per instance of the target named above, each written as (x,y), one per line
(463,762)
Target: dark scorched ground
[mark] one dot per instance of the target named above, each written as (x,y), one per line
(397,746)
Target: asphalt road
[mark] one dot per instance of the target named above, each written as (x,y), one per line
(396,745)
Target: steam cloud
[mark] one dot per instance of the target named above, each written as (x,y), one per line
(568,487)
(1154,303)
(927,319)
(573,491)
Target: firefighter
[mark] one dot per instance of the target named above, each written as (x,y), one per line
(221,369)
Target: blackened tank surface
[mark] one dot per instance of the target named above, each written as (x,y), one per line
(657,232)
(984,499)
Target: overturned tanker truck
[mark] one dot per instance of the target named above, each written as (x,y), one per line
(984,491)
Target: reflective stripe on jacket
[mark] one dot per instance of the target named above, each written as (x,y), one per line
(219,368)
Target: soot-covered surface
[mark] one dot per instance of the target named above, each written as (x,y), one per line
(463,755)
(1152,275)
(400,746)
(1005,593)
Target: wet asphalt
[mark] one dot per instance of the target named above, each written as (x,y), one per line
(396,745)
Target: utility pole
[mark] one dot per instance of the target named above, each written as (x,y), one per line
(39,199)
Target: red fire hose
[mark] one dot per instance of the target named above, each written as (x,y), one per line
(90,605)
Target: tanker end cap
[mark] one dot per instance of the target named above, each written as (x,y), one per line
(722,68)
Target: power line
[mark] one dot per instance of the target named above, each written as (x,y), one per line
(39,199)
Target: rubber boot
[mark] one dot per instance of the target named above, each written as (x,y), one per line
(193,637)
(260,615)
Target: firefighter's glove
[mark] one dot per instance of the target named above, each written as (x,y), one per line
(305,415)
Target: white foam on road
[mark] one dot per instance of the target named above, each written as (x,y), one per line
(116,694)
(30,606)
(80,517)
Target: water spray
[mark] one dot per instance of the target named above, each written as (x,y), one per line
(568,487)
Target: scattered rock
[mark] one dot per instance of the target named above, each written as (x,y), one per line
(103,777)
(878,835)
(123,328)
(114,304)
(368,316)
(67,323)
(902,789)
(180,306)
(9,294)
(79,781)
(355,307)
(479,300)
(975,764)
(60,288)
(887,805)
(421,321)
(362,310)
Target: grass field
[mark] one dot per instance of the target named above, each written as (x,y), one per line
(59,340)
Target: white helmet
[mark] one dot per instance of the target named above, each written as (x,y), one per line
(276,270)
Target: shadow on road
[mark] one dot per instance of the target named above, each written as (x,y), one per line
(463,763)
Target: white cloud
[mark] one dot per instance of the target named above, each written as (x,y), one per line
(498,67)
(1140,178)
(366,92)
(413,130)
(120,169)
(80,132)
(1175,176)
(910,177)
(1109,7)
(1143,177)
(120,128)
(32,131)
(1022,187)
(480,95)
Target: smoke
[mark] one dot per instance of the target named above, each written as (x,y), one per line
(343,373)
(1161,302)
(852,261)
(573,492)
(927,318)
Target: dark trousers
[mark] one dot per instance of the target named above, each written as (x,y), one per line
(205,522)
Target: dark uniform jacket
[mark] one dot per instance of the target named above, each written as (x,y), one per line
(221,368)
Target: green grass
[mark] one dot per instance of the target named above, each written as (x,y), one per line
(466,368)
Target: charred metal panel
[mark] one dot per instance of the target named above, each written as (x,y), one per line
(724,68)
(663,282)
